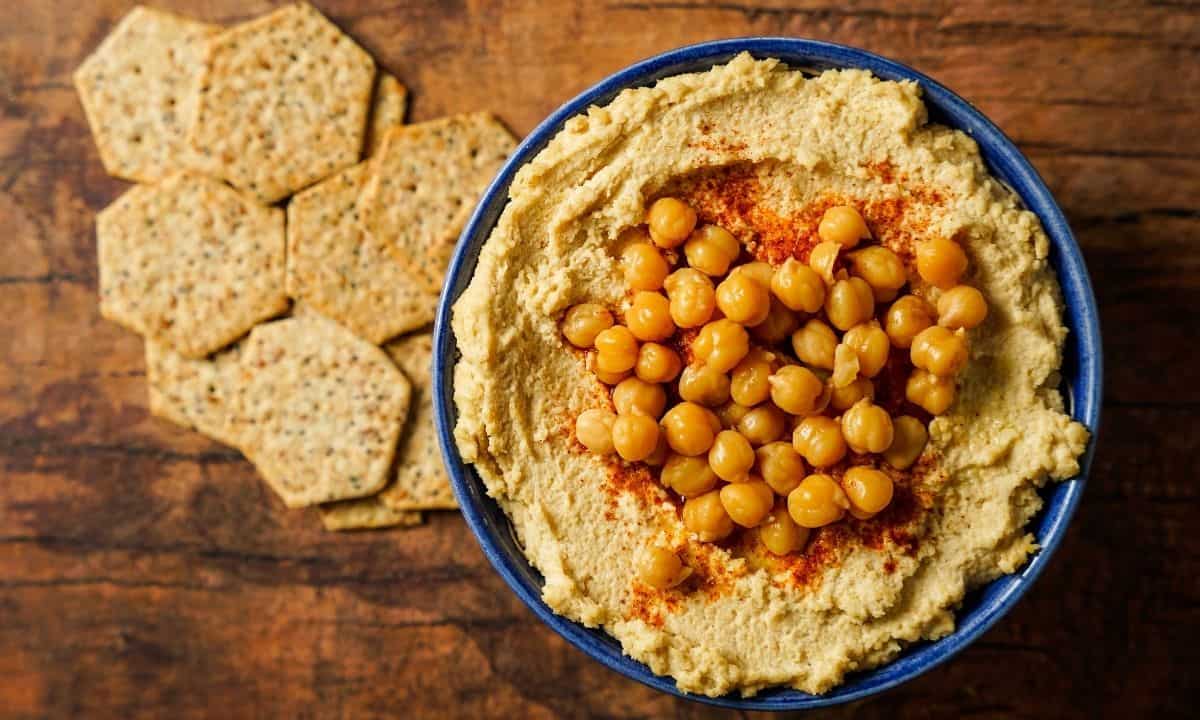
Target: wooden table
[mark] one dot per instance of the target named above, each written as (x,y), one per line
(145,571)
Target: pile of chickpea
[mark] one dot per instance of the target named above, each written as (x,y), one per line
(723,446)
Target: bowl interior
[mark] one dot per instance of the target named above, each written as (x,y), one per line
(1081,369)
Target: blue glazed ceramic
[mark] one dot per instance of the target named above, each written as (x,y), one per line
(1082,366)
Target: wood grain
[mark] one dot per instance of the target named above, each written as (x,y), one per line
(146,572)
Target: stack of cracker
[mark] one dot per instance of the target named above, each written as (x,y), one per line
(284,249)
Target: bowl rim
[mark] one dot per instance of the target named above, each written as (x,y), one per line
(1080,314)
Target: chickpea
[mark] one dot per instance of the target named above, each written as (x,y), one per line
(706,516)
(780,466)
(849,303)
(711,250)
(823,260)
(688,476)
(817,501)
(747,503)
(941,262)
(961,306)
(760,272)
(688,429)
(907,318)
(880,267)
(908,443)
(657,363)
(763,424)
(872,346)
(661,569)
(644,266)
(868,490)
(634,396)
(778,326)
(593,429)
(843,225)
(703,385)
(749,385)
(692,298)
(940,351)
(819,441)
(928,391)
(693,305)
(867,428)
(842,398)
(780,533)
(721,344)
(583,322)
(815,344)
(731,456)
(845,366)
(743,299)
(731,413)
(670,221)
(635,436)
(798,286)
(649,317)
(685,276)
(616,350)
(796,390)
(608,378)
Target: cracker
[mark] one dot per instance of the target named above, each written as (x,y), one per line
(320,410)
(195,394)
(282,103)
(345,274)
(366,514)
(425,181)
(190,263)
(138,90)
(388,107)
(421,482)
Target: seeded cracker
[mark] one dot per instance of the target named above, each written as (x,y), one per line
(138,92)
(388,107)
(366,514)
(320,410)
(283,103)
(346,274)
(195,394)
(190,263)
(421,482)
(424,183)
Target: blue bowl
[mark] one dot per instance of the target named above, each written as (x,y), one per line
(1082,366)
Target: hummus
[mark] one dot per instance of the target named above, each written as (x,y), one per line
(762,150)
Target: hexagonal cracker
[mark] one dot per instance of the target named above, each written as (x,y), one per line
(345,273)
(190,263)
(283,103)
(319,410)
(138,90)
(419,481)
(425,180)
